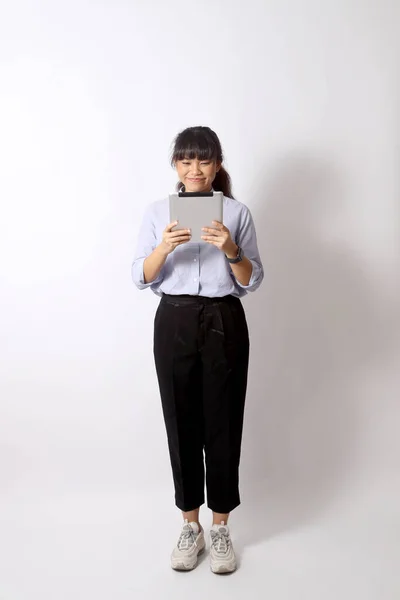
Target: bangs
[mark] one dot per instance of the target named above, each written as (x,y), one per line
(195,143)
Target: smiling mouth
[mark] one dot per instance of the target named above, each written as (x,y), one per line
(191,179)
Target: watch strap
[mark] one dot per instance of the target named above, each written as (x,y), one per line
(237,259)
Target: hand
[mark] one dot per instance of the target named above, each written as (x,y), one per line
(172,239)
(221,238)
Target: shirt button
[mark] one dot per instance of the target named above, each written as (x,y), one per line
(195,279)
(195,260)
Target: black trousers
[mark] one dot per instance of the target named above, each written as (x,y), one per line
(201,351)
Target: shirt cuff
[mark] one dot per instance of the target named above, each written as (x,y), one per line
(255,278)
(138,275)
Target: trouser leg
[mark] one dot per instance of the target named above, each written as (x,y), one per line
(179,373)
(225,357)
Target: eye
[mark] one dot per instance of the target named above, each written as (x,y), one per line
(185,162)
(205,162)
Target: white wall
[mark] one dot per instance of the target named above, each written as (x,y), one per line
(304,98)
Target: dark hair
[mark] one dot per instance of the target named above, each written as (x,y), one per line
(202,143)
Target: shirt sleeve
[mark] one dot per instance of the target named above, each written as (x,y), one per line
(147,241)
(247,240)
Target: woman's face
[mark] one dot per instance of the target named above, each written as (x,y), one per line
(196,175)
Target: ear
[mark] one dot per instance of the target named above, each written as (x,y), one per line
(219,165)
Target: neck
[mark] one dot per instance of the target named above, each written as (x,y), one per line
(183,188)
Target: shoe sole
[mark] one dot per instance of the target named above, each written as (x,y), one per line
(222,569)
(180,566)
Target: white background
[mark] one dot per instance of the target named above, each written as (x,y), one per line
(304,97)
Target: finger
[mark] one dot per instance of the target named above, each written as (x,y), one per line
(173,234)
(180,238)
(212,238)
(176,244)
(170,226)
(219,225)
(211,230)
(216,244)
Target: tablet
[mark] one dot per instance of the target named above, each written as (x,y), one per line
(194,210)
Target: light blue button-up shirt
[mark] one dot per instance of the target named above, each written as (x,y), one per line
(198,269)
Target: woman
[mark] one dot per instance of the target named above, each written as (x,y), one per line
(201,343)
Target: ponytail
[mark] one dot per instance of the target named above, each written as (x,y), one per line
(222,183)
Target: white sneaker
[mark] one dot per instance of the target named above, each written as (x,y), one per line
(222,556)
(191,543)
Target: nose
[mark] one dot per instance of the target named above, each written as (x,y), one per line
(196,168)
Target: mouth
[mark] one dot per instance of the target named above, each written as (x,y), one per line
(195,180)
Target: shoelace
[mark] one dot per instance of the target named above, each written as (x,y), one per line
(185,537)
(220,541)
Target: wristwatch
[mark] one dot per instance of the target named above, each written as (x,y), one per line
(239,257)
